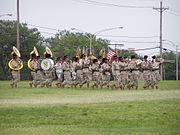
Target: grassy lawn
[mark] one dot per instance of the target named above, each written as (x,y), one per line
(42,111)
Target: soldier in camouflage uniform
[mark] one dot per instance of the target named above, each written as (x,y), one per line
(123,73)
(105,67)
(95,73)
(85,70)
(79,74)
(59,72)
(34,65)
(49,74)
(40,73)
(155,75)
(66,66)
(133,75)
(15,73)
(115,72)
(146,67)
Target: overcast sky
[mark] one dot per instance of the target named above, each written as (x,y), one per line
(139,24)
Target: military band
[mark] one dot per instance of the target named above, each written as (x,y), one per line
(82,70)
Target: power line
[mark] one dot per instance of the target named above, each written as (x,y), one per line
(128,36)
(172,3)
(134,41)
(142,49)
(175,10)
(173,13)
(92,2)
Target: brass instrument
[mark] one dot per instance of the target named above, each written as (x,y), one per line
(47,63)
(16,53)
(48,51)
(29,61)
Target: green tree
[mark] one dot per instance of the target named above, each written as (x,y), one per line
(170,68)
(66,43)
(28,39)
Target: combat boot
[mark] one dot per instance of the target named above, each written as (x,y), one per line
(87,85)
(12,85)
(30,84)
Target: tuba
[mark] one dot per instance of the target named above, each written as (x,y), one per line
(29,61)
(16,52)
(47,63)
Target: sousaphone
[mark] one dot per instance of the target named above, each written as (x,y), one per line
(16,52)
(29,61)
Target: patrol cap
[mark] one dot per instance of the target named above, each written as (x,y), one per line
(95,60)
(33,55)
(133,57)
(154,57)
(65,57)
(120,58)
(76,59)
(47,55)
(99,57)
(104,59)
(145,56)
(115,57)
(58,58)
(82,56)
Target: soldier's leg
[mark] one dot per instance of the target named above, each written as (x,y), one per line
(13,78)
(131,80)
(16,78)
(146,82)
(157,78)
(35,80)
(135,76)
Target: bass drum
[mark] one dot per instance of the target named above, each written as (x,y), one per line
(47,64)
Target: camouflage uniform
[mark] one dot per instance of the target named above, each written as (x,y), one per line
(145,65)
(67,74)
(73,71)
(34,65)
(116,73)
(155,75)
(59,73)
(105,74)
(79,74)
(85,70)
(15,73)
(95,74)
(123,74)
(40,75)
(133,75)
(49,74)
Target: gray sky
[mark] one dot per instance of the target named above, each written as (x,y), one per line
(93,17)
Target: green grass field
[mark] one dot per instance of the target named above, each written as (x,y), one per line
(42,111)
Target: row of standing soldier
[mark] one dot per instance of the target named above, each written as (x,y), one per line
(80,71)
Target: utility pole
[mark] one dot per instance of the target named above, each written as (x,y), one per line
(18,39)
(161,10)
(177,63)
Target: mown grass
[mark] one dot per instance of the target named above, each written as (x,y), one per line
(42,111)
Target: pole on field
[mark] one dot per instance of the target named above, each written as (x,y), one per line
(161,9)
(18,37)
(177,68)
